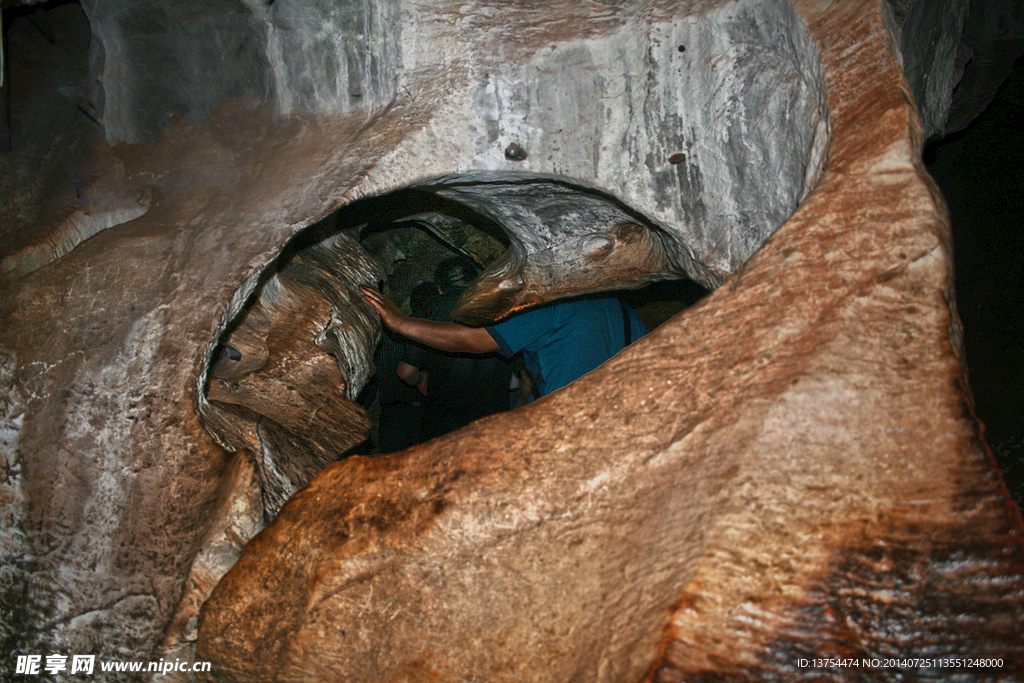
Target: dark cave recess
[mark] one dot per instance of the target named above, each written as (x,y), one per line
(980,171)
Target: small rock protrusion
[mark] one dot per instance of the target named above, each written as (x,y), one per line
(514,152)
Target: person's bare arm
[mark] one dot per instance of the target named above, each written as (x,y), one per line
(446,336)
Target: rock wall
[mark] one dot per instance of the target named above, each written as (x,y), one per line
(993,39)
(932,56)
(693,97)
(766,482)
(826,358)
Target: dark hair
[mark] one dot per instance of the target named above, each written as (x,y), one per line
(455,274)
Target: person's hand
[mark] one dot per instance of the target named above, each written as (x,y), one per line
(389,313)
(446,336)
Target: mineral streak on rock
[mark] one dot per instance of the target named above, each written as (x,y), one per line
(790,468)
(239,515)
(99,214)
(749,70)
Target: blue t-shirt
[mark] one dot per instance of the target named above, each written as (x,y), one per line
(565,340)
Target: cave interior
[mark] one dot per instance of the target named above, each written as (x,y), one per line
(52,110)
(53,118)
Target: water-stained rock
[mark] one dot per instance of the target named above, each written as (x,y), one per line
(789,469)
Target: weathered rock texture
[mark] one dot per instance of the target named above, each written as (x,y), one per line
(563,239)
(929,33)
(755,482)
(955,55)
(289,372)
(692,96)
(789,468)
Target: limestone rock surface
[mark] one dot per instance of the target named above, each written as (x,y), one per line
(692,94)
(992,40)
(287,376)
(707,122)
(929,35)
(789,469)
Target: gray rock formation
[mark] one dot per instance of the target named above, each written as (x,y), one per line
(955,55)
(929,42)
(992,40)
(696,98)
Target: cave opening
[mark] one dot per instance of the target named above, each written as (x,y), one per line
(682,156)
(291,373)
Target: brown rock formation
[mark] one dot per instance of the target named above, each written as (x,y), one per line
(287,375)
(789,469)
